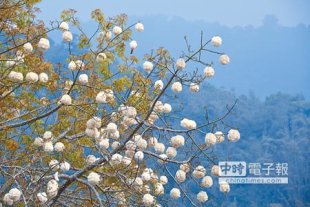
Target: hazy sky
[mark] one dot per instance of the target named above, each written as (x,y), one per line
(225,12)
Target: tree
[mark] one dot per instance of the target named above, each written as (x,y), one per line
(97,130)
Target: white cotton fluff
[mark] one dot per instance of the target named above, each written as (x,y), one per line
(177,141)
(48,146)
(139,156)
(83,79)
(108,35)
(202,196)
(148,200)
(80,65)
(163,179)
(104,144)
(101,57)
(32,77)
(176,87)
(185,167)
(48,135)
(44,44)
(216,41)
(199,172)
(130,145)
(180,64)
(224,187)
(111,127)
(43,77)
(128,111)
(152,141)
(114,135)
(224,59)
(175,193)
(16,76)
(158,107)
(209,71)
(115,145)
(116,159)
(139,27)
(171,152)
(66,100)
(126,161)
(159,85)
(162,158)
(59,147)
(72,65)
(7,200)
(146,176)
(133,44)
(15,194)
(210,139)
(92,132)
(130,153)
(167,108)
(67,36)
(64,26)
(180,176)
(54,165)
(159,148)
(194,87)
(94,122)
(93,178)
(219,136)
(10,63)
(28,47)
(148,66)
(38,142)
(233,135)
(142,144)
(206,182)
(215,170)
(101,97)
(159,189)
(188,124)
(117,30)
(91,159)
(42,197)
(65,166)
(52,188)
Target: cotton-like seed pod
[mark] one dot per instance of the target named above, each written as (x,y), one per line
(38,142)
(215,170)
(224,59)
(43,77)
(117,30)
(159,148)
(176,87)
(175,193)
(159,189)
(233,135)
(104,144)
(209,72)
(180,176)
(101,98)
(67,36)
(92,132)
(83,79)
(194,87)
(93,178)
(199,172)
(15,194)
(7,200)
(180,64)
(206,182)
(64,26)
(42,197)
(202,196)
(148,66)
(66,100)
(116,159)
(167,108)
(52,188)
(163,180)
(162,158)
(133,45)
(94,122)
(148,200)
(210,139)
(44,44)
(171,152)
(188,124)
(111,127)
(48,146)
(59,147)
(91,159)
(139,27)
(152,141)
(54,165)
(101,57)
(219,136)
(139,156)
(72,65)
(159,85)
(115,145)
(28,47)
(126,161)
(65,166)
(216,41)
(185,167)
(224,187)
(177,141)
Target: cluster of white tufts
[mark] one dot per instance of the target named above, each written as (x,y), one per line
(233,135)
(175,193)
(47,143)
(65,166)
(176,87)
(42,197)
(210,139)
(159,85)
(219,136)
(188,124)
(44,44)
(209,71)
(133,45)
(180,64)
(83,79)
(32,77)
(199,172)
(148,200)
(202,196)
(43,77)
(65,100)
(148,66)
(93,178)
(194,87)
(12,196)
(224,187)
(216,170)
(92,126)
(66,34)
(216,41)
(28,47)
(224,59)
(101,57)
(52,188)
(59,147)
(64,26)
(76,65)
(139,27)
(105,96)
(117,30)
(16,76)
(177,141)
(180,176)
(206,182)
(91,159)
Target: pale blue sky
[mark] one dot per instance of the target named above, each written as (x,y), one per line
(225,12)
